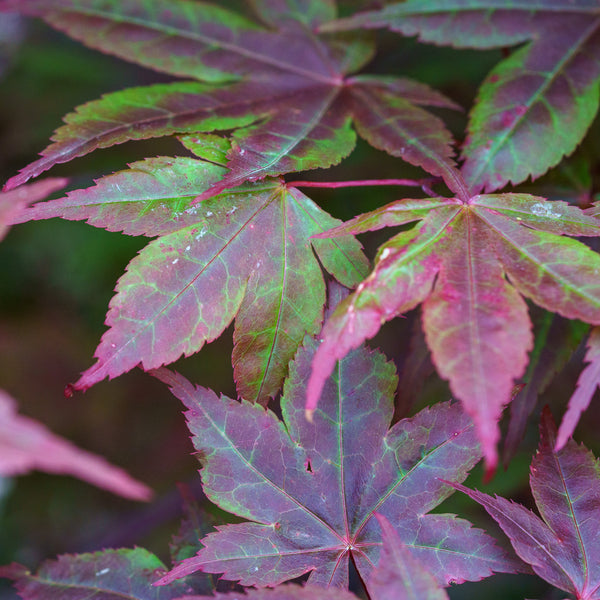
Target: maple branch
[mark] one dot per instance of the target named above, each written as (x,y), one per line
(422,183)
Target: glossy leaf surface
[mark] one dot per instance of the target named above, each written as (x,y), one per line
(243,255)
(544,96)
(286,93)
(469,264)
(562,545)
(310,490)
(26,445)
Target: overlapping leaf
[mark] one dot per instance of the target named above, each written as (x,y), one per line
(286,93)
(537,104)
(556,339)
(111,575)
(469,264)
(588,383)
(311,490)
(562,546)
(399,575)
(244,254)
(127,575)
(11,203)
(26,445)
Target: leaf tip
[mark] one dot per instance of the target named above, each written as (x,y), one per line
(490,473)
(309,415)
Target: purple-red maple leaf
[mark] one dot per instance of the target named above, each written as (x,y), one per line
(563,545)
(536,105)
(311,490)
(26,445)
(286,92)
(469,264)
(244,254)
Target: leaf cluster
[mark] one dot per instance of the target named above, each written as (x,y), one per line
(283,87)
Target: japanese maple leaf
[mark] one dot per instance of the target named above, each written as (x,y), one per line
(469,264)
(244,255)
(310,490)
(285,91)
(26,445)
(536,105)
(562,546)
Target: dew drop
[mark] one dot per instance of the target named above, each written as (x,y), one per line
(545,210)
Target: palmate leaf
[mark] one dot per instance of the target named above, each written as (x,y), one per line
(562,546)
(287,94)
(469,264)
(243,255)
(311,490)
(544,96)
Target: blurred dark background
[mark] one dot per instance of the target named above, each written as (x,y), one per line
(57,277)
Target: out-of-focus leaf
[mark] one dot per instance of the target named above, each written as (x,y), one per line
(287,94)
(293,12)
(11,203)
(26,445)
(588,382)
(196,523)
(311,490)
(555,341)
(110,575)
(562,546)
(244,255)
(469,263)
(399,575)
